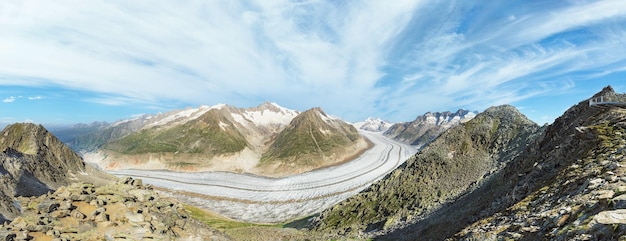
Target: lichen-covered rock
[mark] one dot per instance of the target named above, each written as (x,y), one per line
(583,179)
(566,184)
(453,163)
(114,212)
(611,217)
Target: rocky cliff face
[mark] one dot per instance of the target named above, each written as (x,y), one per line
(569,186)
(126,210)
(427,127)
(565,184)
(33,162)
(443,170)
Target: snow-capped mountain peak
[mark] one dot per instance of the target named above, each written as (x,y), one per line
(373,124)
(265,114)
(183,116)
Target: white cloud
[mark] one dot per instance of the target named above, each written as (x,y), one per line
(10,99)
(35,98)
(352,58)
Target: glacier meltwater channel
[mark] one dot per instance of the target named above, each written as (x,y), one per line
(272,200)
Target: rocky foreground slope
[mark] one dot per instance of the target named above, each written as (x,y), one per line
(563,184)
(33,162)
(126,210)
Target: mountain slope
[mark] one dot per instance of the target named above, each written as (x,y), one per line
(33,162)
(312,140)
(570,186)
(125,210)
(211,133)
(440,172)
(564,185)
(102,134)
(219,138)
(267,139)
(428,126)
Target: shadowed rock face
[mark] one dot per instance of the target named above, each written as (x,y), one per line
(443,170)
(32,162)
(568,186)
(564,184)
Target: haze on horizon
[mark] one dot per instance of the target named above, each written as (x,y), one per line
(67,62)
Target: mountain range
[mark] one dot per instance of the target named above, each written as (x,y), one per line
(500,176)
(426,127)
(496,176)
(266,140)
(373,124)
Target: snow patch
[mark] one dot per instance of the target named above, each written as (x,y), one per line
(223,125)
(325,132)
(266,117)
(326,118)
(186,115)
(373,124)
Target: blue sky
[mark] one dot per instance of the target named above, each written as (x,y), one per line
(83,61)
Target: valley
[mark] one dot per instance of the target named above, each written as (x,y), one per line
(473,178)
(258,199)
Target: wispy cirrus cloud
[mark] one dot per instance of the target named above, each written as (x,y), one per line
(354,58)
(10,99)
(458,62)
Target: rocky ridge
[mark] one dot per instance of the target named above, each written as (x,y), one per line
(126,210)
(564,184)
(427,127)
(574,189)
(33,162)
(445,169)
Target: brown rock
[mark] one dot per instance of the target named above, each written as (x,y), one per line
(48,206)
(603,194)
(77,214)
(134,217)
(562,220)
(54,233)
(62,192)
(102,217)
(60,214)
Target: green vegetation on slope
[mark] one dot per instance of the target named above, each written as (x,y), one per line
(570,185)
(212,133)
(442,171)
(304,140)
(251,231)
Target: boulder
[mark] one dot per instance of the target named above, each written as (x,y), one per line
(611,217)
